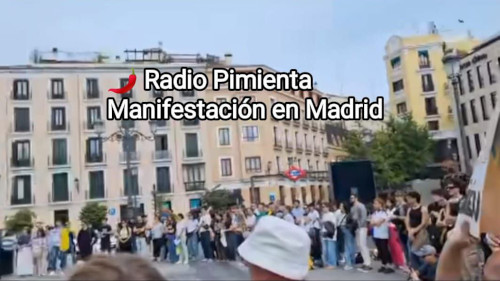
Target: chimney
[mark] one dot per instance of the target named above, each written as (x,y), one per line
(228,59)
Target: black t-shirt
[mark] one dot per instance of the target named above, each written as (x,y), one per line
(434,207)
(171,228)
(105,229)
(141,233)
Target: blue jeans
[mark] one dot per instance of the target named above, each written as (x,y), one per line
(141,246)
(192,245)
(63,258)
(53,257)
(349,246)
(329,252)
(206,244)
(415,261)
(172,252)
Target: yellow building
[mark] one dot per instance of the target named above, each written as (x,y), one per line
(417,84)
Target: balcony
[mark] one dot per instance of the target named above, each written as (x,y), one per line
(157,94)
(194,185)
(308,149)
(278,144)
(22,128)
(21,97)
(424,65)
(289,146)
(431,112)
(192,155)
(165,189)
(90,126)
(296,123)
(60,197)
(317,151)
(305,124)
(95,159)
(314,126)
(188,94)
(134,157)
(300,147)
(98,195)
(161,124)
(286,121)
(58,128)
(325,153)
(136,191)
(16,202)
(22,163)
(195,123)
(92,94)
(161,155)
(54,162)
(57,96)
(321,127)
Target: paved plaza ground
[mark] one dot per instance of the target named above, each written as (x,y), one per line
(236,271)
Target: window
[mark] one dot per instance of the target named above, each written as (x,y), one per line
(21,119)
(93,115)
(427,84)
(401,108)
(470,81)
(225,167)
(21,89)
(224,137)
(161,143)
(58,122)
(194,122)
(252,164)
(250,133)
(493,96)
(309,166)
(290,161)
(131,185)
(317,165)
(57,89)
(463,109)
(187,94)
(96,185)
(128,123)
(477,141)
(21,153)
(423,59)
(194,176)
(220,100)
(430,106)
(194,203)
(491,76)
(397,86)
(59,152)
(484,108)
(396,63)
(192,145)
(60,190)
(92,88)
(163,180)
(251,99)
(21,190)
(157,93)
(288,142)
(299,163)
(129,144)
(297,141)
(278,164)
(479,77)
(123,83)
(460,85)
(469,149)
(433,125)
(473,111)
(94,150)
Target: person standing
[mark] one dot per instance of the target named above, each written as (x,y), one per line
(380,223)
(65,248)
(398,218)
(84,240)
(8,246)
(181,240)
(329,238)
(416,223)
(124,237)
(360,215)
(105,234)
(347,236)
(141,245)
(205,234)
(157,233)
(192,236)
(171,252)
(297,211)
(24,254)
(40,249)
(54,247)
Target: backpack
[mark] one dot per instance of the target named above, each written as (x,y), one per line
(330,229)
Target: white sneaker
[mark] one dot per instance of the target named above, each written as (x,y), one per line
(348,267)
(179,262)
(204,260)
(186,263)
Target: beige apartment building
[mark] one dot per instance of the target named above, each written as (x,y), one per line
(478,87)
(55,161)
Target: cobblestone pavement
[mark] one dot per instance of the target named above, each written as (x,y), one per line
(237,271)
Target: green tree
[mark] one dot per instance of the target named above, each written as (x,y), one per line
(23,218)
(93,213)
(356,146)
(218,199)
(401,151)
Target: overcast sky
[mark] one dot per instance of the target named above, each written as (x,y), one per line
(340,42)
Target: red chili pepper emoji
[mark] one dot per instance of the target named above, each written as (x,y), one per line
(128,87)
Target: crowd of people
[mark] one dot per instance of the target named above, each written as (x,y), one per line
(408,236)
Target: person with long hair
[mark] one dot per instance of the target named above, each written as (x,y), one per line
(24,265)
(170,251)
(395,245)
(157,233)
(181,240)
(380,223)
(218,228)
(40,252)
(348,236)
(124,233)
(85,240)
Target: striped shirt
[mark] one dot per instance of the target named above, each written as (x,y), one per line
(9,243)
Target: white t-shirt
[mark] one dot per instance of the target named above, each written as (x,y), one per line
(191,225)
(205,220)
(289,218)
(381,231)
(314,217)
(250,220)
(340,217)
(181,228)
(331,217)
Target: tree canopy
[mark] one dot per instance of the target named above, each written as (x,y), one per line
(218,199)
(399,152)
(21,219)
(93,214)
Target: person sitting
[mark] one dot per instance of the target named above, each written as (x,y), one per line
(276,250)
(427,271)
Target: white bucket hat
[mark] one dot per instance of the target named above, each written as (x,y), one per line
(279,247)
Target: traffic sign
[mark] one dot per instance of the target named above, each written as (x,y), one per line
(112,211)
(295,173)
(272,196)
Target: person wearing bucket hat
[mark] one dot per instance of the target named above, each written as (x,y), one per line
(276,250)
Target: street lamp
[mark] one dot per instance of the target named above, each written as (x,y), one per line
(451,62)
(126,134)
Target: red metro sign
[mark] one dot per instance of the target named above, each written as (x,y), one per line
(295,173)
